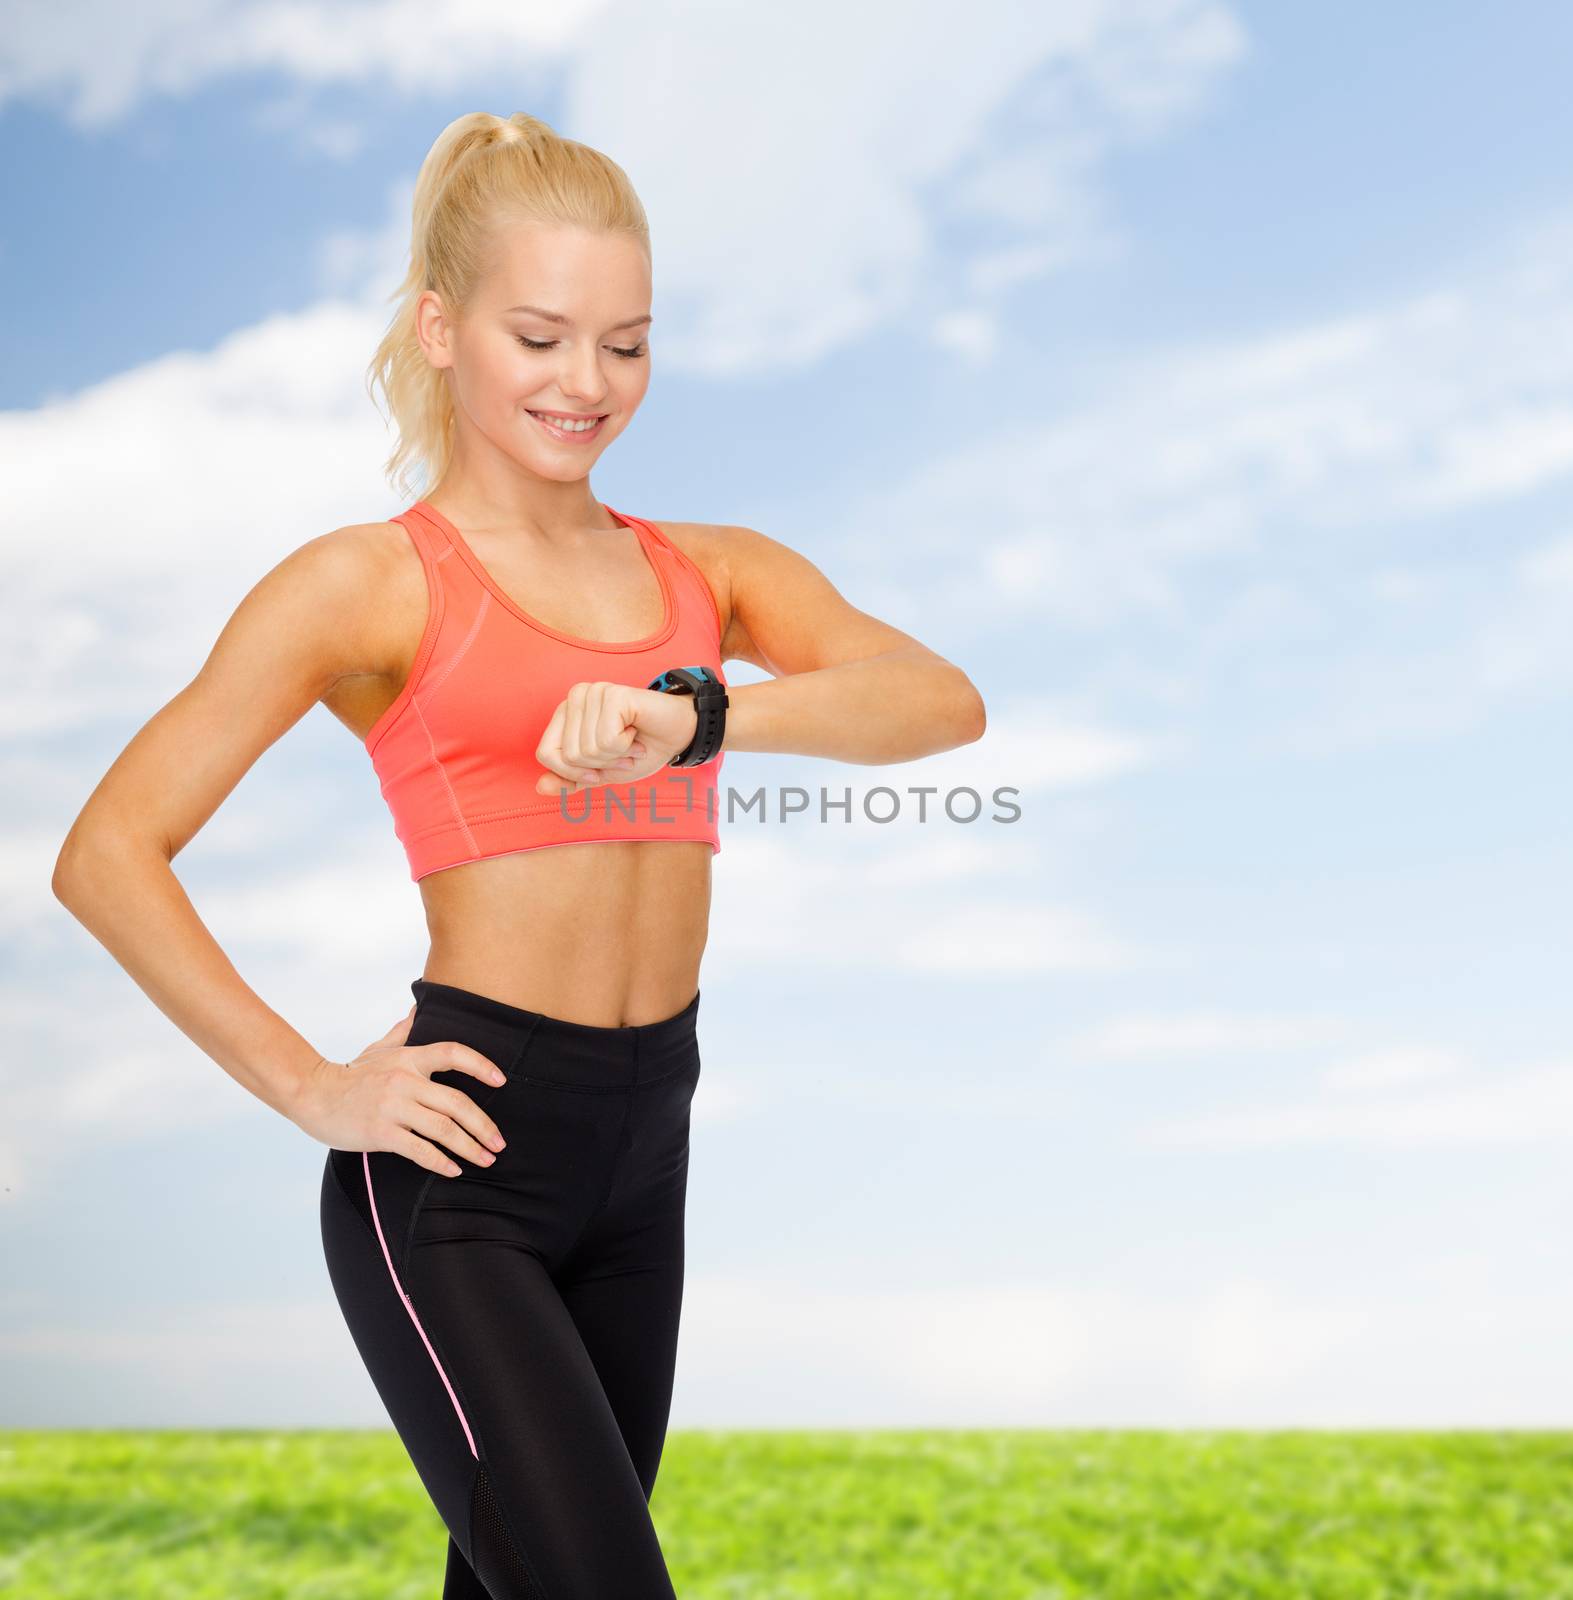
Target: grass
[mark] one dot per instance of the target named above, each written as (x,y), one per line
(1006,1515)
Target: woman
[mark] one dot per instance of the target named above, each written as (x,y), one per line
(503,1197)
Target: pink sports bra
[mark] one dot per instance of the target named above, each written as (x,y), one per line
(455,752)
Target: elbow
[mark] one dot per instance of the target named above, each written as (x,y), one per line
(973,715)
(88,859)
(68,868)
(981,716)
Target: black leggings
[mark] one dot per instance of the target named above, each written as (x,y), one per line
(520,1320)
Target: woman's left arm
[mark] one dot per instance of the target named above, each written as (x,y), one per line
(843,683)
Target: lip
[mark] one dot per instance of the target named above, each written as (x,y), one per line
(582,436)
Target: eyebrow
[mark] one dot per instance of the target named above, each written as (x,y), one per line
(557,316)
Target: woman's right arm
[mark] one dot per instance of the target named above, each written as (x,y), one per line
(304,627)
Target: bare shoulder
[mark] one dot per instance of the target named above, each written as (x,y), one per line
(714,542)
(706,544)
(301,634)
(722,551)
(742,564)
(361,550)
(780,611)
(377,584)
(338,562)
(346,575)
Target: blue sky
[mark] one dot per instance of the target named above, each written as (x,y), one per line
(1196,375)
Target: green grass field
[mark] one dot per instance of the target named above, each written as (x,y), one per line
(1050,1515)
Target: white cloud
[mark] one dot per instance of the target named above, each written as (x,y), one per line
(1313,440)
(1397,1103)
(1206,1033)
(1245,1339)
(1385,1069)
(785,1350)
(91,1064)
(1034,100)
(1009,938)
(772,902)
(100,61)
(1224,1350)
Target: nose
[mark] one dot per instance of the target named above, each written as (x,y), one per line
(582,381)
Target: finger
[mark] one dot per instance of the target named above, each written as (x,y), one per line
(618,725)
(573,723)
(395,1034)
(551,784)
(614,726)
(456,1104)
(549,752)
(559,772)
(448,1055)
(424,1154)
(613,731)
(575,780)
(593,751)
(587,758)
(442,1129)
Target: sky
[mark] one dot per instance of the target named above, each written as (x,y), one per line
(1195,375)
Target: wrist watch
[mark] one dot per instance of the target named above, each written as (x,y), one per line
(710,701)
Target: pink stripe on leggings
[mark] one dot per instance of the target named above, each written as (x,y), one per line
(366,1163)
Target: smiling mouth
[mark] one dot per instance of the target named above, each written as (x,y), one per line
(570,428)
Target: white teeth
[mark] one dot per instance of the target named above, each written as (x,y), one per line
(566,425)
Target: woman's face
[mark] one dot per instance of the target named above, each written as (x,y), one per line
(507,361)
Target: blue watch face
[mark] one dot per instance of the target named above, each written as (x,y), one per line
(670,683)
(711,700)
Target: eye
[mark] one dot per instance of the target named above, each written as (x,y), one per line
(547,344)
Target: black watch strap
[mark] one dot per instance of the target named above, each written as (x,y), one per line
(710,701)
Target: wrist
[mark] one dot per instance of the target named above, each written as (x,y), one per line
(708,692)
(301,1093)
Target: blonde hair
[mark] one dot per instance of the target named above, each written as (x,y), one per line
(481,171)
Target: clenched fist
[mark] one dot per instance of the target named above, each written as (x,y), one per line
(612,733)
